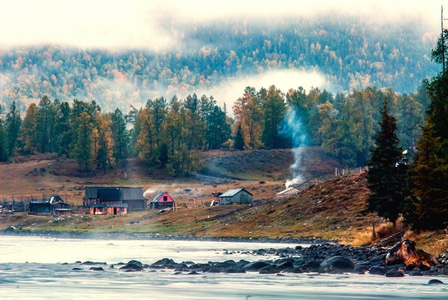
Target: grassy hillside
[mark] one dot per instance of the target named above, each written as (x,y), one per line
(331,209)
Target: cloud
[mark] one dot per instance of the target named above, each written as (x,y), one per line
(233,88)
(156,25)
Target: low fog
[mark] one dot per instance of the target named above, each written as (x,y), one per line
(158,25)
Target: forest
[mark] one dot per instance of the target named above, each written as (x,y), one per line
(387,108)
(167,132)
(353,53)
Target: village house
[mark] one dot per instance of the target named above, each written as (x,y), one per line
(161,201)
(53,206)
(236,196)
(113,200)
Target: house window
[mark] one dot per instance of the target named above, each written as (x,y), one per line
(165,198)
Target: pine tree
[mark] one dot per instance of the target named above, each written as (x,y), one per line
(12,126)
(239,139)
(27,139)
(274,109)
(3,141)
(387,170)
(428,206)
(84,151)
(121,139)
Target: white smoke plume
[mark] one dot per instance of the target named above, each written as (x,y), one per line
(294,128)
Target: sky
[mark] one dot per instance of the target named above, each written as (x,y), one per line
(139,23)
(154,25)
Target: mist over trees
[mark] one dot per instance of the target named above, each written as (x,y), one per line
(122,115)
(352,52)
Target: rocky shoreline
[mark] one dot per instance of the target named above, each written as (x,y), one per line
(321,256)
(324,258)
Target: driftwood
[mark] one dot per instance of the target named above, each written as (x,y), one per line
(404,252)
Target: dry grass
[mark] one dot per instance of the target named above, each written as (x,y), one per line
(330,210)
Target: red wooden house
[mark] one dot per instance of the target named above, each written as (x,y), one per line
(161,201)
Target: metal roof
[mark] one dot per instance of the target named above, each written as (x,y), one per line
(132,193)
(158,196)
(233,192)
(109,194)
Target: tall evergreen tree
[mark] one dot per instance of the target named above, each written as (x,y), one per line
(28,134)
(3,144)
(386,177)
(84,150)
(12,125)
(120,136)
(3,139)
(428,206)
(46,115)
(239,139)
(63,132)
(274,108)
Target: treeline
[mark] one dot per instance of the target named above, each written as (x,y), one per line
(162,134)
(354,53)
(414,188)
(168,133)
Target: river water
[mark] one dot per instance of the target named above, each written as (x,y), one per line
(44,268)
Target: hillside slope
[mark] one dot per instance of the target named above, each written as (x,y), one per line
(330,209)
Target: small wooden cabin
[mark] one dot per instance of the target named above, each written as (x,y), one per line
(161,201)
(51,206)
(236,196)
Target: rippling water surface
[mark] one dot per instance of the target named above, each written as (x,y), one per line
(44,268)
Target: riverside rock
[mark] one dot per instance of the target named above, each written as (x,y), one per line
(337,264)
(322,258)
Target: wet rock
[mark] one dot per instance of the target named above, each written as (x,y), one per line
(361,268)
(337,264)
(132,266)
(269,269)
(255,266)
(96,268)
(234,270)
(162,263)
(193,273)
(394,273)
(378,270)
(435,281)
(311,266)
(415,273)
(89,263)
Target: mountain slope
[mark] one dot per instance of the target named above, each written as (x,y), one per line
(350,52)
(329,209)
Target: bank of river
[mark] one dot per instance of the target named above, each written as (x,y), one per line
(50,267)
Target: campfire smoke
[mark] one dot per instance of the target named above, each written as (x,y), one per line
(294,128)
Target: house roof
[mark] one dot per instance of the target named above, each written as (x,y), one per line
(132,193)
(233,192)
(92,192)
(109,194)
(114,193)
(158,196)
